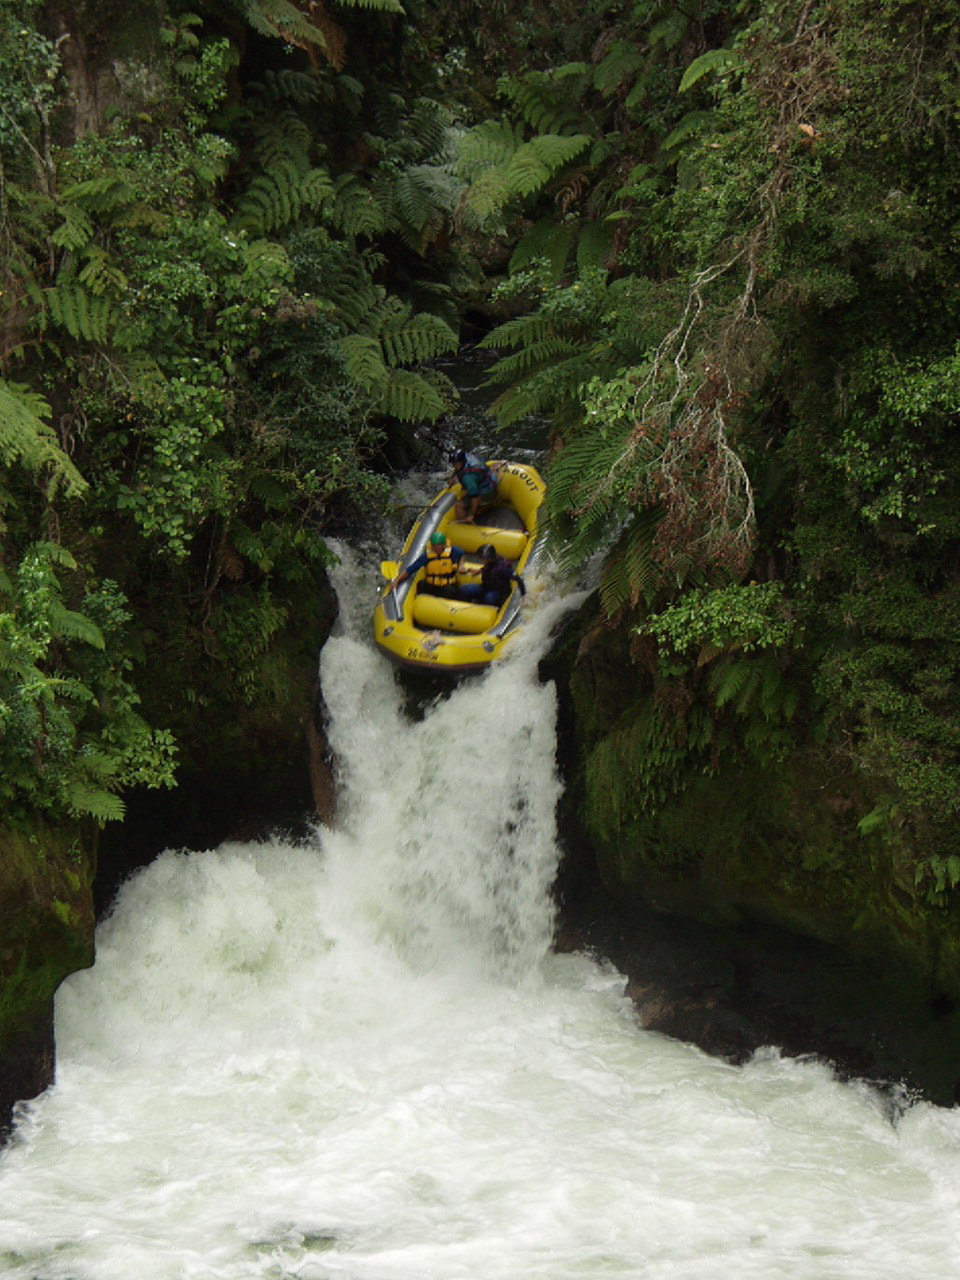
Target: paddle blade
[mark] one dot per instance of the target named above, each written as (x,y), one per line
(388,568)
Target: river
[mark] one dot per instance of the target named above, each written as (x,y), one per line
(357,1057)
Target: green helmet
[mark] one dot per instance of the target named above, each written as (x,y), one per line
(437,538)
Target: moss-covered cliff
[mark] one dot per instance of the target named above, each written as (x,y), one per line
(46,932)
(727,841)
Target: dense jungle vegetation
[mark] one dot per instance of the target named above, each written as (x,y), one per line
(717,243)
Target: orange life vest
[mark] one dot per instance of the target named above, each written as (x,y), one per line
(440,569)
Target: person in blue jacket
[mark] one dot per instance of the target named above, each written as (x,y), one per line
(478,482)
(441,565)
(497,575)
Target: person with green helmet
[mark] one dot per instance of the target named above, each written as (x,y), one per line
(441,565)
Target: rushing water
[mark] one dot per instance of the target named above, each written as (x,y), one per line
(357,1058)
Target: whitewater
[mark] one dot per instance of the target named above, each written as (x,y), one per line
(357,1057)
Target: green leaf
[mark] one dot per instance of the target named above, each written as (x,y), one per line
(717,60)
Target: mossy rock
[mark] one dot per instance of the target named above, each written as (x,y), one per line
(726,841)
(46,933)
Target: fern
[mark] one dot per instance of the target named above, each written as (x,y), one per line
(670,30)
(356,209)
(355,304)
(429,124)
(108,194)
(547,104)
(363,360)
(94,802)
(75,230)
(278,197)
(425,197)
(71,625)
(284,136)
(535,355)
(287,85)
(100,274)
(622,61)
(84,316)
(420,338)
(411,398)
(548,241)
(535,162)
(733,681)
(533,327)
(692,123)
(719,60)
(282,18)
(594,245)
(27,438)
(643,573)
(488,146)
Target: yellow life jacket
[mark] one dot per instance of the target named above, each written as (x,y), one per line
(440,569)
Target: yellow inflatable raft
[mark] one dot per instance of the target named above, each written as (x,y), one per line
(457,637)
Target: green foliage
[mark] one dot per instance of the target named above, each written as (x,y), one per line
(721,61)
(386,336)
(502,167)
(26,436)
(66,702)
(280,196)
(753,616)
(188,291)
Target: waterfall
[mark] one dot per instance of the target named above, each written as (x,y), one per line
(356,1057)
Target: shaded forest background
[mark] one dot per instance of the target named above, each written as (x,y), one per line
(716,244)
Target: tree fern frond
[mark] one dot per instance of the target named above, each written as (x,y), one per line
(670,30)
(76,229)
(429,124)
(548,107)
(350,92)
(71,625)
(731,681)
(621,63)
(420,338)
(284,135)
(533,327)
(719,60)
(546,240)
(488,146)
(94,802)
(426,196)
(278,197)
(594,245)
(535,355)
(287,85)
(692,123)
(363,361)
(101,274)
(614,587)
(26,437)
(283,19)
(411,398)
(83,315)
(100,195)
(535,162)
(644,575)
(384,6)
(356,306)
(524,400)
(356,209)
